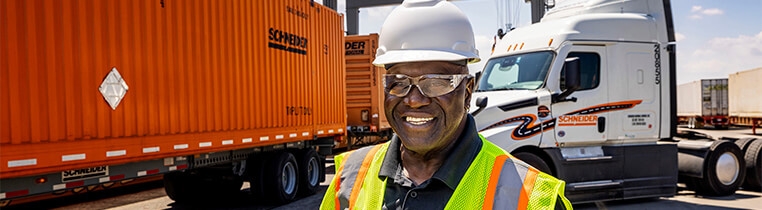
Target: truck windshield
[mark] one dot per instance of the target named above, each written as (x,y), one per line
(516,72)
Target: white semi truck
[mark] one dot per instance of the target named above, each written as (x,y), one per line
(588,95)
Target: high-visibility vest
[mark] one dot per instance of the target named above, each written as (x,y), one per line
(496,180)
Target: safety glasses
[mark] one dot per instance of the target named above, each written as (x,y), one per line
(430,85)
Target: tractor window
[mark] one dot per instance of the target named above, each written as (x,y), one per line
(590,70)
(516,72)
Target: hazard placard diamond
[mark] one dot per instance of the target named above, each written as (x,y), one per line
(113,88)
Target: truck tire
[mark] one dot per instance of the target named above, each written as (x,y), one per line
(310,170)
(281,178)
(723,171)
(179,187)
(534,161)
(743,143)
(753,159)
(176,185)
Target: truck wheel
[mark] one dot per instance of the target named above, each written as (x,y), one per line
(535,161)
(743,144)
(281,178)
(179,187)
(310,168)
(753,159)
(723,170)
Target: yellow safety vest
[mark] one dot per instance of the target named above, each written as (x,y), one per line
(489,176)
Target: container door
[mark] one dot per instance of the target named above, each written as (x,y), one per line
(714,97)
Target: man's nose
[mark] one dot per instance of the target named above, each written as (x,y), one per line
(415,99)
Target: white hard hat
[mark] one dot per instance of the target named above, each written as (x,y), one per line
(426,30)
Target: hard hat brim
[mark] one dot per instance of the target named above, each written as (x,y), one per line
(404,56)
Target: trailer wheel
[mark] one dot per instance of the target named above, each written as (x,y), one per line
(281,180)
(723,170)
(753,159)
(310,170)
(534,161)
(178,187)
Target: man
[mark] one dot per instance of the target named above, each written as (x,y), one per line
(437,160)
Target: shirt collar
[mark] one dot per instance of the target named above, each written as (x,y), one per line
(452,170)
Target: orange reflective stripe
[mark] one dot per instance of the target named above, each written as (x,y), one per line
(337,182)
(361,174)
(528,186)
(489,199)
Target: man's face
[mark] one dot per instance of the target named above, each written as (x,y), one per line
(426,123)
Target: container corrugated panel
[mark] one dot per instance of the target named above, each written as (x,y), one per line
(714,97)
(202,76)
(365,93)
(744,90)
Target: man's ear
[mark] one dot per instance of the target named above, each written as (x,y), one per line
(469,90)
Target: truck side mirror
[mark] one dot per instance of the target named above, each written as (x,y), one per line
(481,102)
(571,79)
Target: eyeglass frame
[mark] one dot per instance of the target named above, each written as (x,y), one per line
(455,81)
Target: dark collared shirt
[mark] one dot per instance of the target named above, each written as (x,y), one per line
(434,193)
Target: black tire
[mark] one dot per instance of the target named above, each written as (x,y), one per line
(753,159)
(179,187)
(534,161)
(723,170)
(310,170)
(281,178)
(743,144)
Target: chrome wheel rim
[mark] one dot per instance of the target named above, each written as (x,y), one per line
(727,168)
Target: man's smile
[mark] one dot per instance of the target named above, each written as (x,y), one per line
(418,120)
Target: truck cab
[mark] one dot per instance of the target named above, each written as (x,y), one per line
(587,96)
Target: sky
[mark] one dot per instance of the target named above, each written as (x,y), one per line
(714,38)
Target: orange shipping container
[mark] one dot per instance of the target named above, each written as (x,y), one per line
(366,121)
(196,76)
